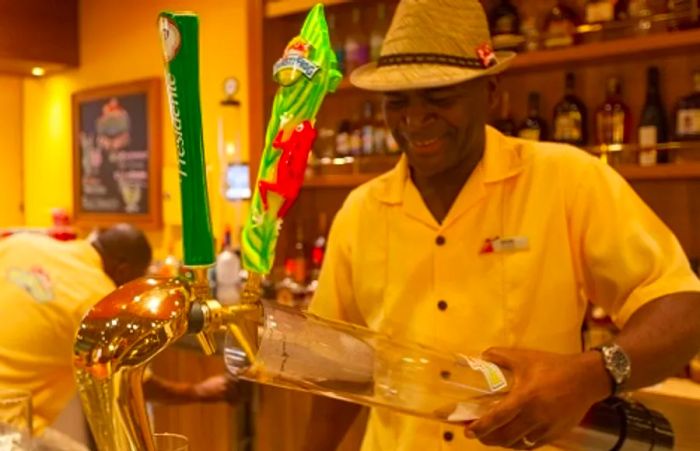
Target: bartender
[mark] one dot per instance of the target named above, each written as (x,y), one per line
(46,286)
(477,242)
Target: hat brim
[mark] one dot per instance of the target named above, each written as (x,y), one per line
(421,76)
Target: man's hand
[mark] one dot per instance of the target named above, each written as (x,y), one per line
(222,387)
(550,395)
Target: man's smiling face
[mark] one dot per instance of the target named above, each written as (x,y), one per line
(438,128)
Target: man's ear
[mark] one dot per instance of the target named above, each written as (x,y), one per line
(494,99)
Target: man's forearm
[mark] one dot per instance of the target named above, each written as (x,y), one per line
(661,337)
(329,422)
(156,389)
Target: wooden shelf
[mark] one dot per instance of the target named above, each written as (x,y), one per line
(671,171)
(287,7)
(586,53)
(600,51)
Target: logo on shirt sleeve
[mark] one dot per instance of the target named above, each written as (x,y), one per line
(35,281)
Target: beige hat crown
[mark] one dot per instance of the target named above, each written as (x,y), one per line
(433,43)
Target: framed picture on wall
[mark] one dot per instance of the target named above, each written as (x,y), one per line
(117,155)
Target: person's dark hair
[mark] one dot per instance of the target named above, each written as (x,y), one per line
(125,252)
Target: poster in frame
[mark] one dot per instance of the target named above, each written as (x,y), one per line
(117,155)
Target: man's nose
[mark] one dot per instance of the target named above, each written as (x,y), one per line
(416,115)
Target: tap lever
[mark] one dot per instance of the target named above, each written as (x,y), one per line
(252,289)
(196,320)
(207,342)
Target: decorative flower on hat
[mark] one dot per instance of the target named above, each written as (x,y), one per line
(486,55)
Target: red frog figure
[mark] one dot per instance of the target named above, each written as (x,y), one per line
(291,166)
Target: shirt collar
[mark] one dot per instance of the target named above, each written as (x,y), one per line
(503,158)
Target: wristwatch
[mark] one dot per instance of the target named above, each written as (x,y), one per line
(617,364)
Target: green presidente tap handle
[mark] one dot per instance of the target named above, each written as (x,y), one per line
(179,35)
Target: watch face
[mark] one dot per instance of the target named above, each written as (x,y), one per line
(618,363)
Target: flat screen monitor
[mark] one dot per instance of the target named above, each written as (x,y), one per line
(237,181)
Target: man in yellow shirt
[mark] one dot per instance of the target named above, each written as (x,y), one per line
(479,242)
(46,286)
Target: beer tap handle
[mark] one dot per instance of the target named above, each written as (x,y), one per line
(180,34)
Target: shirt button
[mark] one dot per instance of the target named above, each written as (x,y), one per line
(442,305)
(440,240)
(448,436)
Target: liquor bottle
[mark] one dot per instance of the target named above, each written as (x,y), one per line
(505,123)
(356,44)
(300,264)
(560,26)
(286,288)
(504,22)
(599,11)
(366,127)
(376,38)
(61,228)
(639,8)
(298,350)
(336,43)
(531,33)
(652,123)
(570,117)
(355,136)
(685,14)
(325,145)
(227,268)
(533,127)
(688,114)
(613,119)
(342,139)
(318,250)
(380,134)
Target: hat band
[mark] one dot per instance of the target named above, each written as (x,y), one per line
(399,59)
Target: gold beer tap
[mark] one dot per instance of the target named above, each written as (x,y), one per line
(116,340)
(122,333)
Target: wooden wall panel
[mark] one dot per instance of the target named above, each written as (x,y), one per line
(209,427)
(38,32)
(283,419)
(677,204)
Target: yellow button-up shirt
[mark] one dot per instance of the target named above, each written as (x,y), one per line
(583,235)
(46,286)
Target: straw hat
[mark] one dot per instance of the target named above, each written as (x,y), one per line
(433,43)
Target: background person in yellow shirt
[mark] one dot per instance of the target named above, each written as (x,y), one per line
(46,286)
(479,242)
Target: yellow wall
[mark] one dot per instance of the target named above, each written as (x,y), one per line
(11,151)
(120,43)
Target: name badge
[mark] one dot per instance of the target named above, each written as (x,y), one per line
(505,244)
